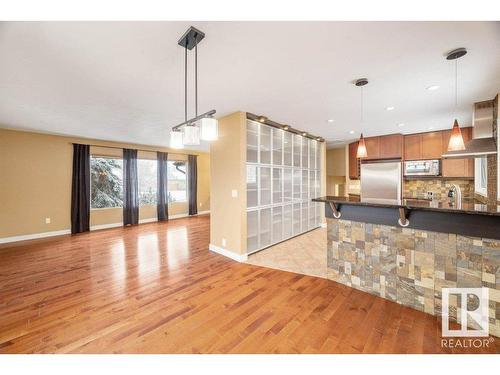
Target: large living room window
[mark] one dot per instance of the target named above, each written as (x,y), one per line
(106,182)
(177,181)
(147,175)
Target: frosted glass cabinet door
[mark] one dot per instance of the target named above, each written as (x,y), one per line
(297,146)
(318,155)
(277,186)
(277,146)
(312,182)
(305,216)
(312,154)
(288,149)
(287,221)
(305,184)
(265,227)
(296,219)
(296,184)
(312,215)
(287,185)
(277,224)
(265,186)
(252,192)
(305,153)
(265,144)
(252,230)
(252,142)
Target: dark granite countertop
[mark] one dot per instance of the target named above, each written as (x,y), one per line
(469,206)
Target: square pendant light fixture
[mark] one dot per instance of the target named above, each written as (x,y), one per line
(176,139)
(191,135)
(204,123)
(209,129)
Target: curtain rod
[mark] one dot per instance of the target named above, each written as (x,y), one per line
(121,148)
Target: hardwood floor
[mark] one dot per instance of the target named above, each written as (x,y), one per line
(156,288)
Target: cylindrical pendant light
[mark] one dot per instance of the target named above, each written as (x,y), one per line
(191,135)
(361,153)
(209,129)
(176,139)
(456,140)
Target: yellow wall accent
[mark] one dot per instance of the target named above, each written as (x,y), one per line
(35,182)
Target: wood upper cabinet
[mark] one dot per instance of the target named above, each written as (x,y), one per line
(372,147)
(391,146)
(353,161)
(432,145)
(413,147)
(456,167)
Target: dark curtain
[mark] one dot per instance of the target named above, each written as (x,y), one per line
(162,205)
(130,188)
(193,184)
(80,189)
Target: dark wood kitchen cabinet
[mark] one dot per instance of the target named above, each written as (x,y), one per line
(353,161)
(413,147)
(372,148)
(456,167)
(432,145)
(391,146)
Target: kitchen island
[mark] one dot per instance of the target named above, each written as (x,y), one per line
(406,251)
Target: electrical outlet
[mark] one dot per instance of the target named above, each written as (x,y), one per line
(47,220)
(234,193)
(223,242)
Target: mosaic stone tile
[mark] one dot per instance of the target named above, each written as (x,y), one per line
(411,267)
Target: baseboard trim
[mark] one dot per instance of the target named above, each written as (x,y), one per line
(35,236)
(228,253)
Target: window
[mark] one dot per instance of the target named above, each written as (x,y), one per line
(106,182)
(177,181)
(147,175)
(481,175)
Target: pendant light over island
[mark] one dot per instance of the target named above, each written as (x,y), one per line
(361,153)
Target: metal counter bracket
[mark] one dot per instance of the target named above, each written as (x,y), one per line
(403,220)
(336,213)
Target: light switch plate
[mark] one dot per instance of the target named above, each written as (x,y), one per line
(234,193)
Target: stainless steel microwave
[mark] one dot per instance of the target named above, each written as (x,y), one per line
(422,168)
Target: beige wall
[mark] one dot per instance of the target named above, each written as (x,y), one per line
(227,173)
(35,182)
(335,171)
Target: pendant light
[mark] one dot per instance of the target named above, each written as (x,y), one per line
(191,134)
(456,140)
(361,153)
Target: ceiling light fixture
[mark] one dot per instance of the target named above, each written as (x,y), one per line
(401,125)
(361,153)
(389,108)
(431,127)
(286,127)
(262,118)
(432,88)
(304,134)
(351,132)
(191,134)
(456,140)
(331,120)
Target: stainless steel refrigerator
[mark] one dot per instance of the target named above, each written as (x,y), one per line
(381,181)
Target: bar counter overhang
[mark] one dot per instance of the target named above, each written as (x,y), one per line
(407,251)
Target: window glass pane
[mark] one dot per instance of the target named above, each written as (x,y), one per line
(106,182)
(146,173)
(177,181)
(484,172)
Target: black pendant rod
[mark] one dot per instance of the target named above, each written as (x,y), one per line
(185,83)
(196,80)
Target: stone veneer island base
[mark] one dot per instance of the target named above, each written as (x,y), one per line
(408,265)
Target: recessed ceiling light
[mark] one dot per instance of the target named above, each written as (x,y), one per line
(351,132)
(401,125)
(389,108)
(432,88)
(431,127)
(331,120)
(304,134)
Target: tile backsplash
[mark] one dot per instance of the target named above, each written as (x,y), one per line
(439,187)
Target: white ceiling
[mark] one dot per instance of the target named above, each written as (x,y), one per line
(123,81)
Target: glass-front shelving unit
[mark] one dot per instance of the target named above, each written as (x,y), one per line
(283,175)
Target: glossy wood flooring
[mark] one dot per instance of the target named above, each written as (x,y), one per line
(156,288)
